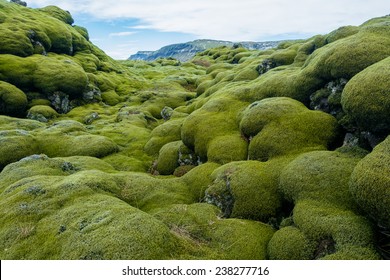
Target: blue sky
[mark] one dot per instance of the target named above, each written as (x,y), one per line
(122,28)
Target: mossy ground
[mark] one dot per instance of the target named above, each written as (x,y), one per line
(215,158)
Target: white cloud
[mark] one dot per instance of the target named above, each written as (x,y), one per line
(122,34)
(231,19)
(141,27)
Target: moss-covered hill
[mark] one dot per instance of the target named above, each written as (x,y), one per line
(237,154)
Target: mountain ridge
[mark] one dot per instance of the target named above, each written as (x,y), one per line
(186,51)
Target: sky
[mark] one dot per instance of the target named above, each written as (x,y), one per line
(122,28)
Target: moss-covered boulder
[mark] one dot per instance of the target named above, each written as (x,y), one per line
(13,101)
(260,113)
(321,175)
(50,218)
(58,13)
(370,183)
(41,113)
(217,118)
(17,71)
(15,145)
(335,230)
(366,98)
(289,243)
(346,57)
(206,236)
(165,133)
(247,190)
(42,53)
(173,155)
(198,179)
(150,193)
(59,74)
(62,145)
(285,126)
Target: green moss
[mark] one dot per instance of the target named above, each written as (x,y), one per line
(247,74)
(150,193)
(163,134)
(341,33)
(172,155)
(58,13)
(207,237)
(15,42)
(182,170)
(198,179)
(353,253)
(59,74)
(168,158)
(370,183)
(203,87)
(64,221)
(88,61)
(246,190)
(41,113)
(346,57)
(366,98)
(283,81)
(232,236)
(13,100)
(15,145)
(42,165)
(60,208)
(82,30)
(61,145)
(122,162)
(260,113)
(329,224)
(9,123)
(216,118)
(285,56)
(322,176)
(39,102)
(289,243)
(110,97)
(227,148)
(290,133)
(17,71)
(79,42)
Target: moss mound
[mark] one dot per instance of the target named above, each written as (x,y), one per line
(163,134)
(370,183)
(366,98)
(70,78)
(247,189)
(16,144)
(41,113)
(285,126)
(13,100)
(43,53)
(59,14)
(334,229)
(320,175)
(70,138)
(73,222)
(209,237)
(216,118)
(289,243)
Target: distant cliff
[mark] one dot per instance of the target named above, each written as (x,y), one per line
(185,51)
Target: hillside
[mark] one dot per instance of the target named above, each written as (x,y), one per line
(185,51)
(236,154)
